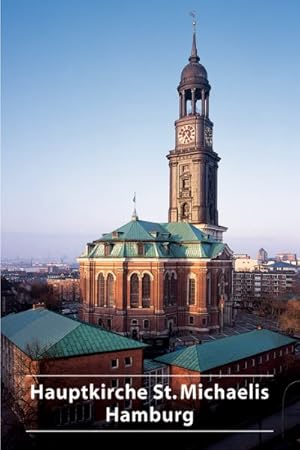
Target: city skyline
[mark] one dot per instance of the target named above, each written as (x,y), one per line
(89,102)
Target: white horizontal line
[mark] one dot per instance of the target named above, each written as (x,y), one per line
(130,375)
(148,431)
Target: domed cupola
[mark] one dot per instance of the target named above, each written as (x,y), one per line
(193,84)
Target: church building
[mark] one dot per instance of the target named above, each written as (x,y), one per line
(158,279)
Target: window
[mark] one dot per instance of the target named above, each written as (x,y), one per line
(286,351)
(185,183)
(267,357)
(128,380)
(253,362)
(140,249)
(191,291)
(100,322)
(208,289)
(146,290)
(191,320)
(245,365)
(146,324)
(101,283)
(173,289)
(80,412)
(128,361)
(114,383)
(237,367)
(210,378)
(134,322)
(107,249)
(274,371)
(220,373)
(134,291)
(260,360)
(274,355)
(246,382)
(280,353)
(204,321)
(110,290)
(109,322)
(114,363)
(229,370)
(280,369)
(167,290)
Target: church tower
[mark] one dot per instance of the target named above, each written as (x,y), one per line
(193,163)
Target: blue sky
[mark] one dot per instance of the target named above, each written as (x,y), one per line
(89,102)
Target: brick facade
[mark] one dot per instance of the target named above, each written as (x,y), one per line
(159,315)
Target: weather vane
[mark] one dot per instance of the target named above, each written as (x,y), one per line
(193,15)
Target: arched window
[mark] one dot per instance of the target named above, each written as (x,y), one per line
(110,289)
(185,211)
(101,283)
(167,290)
(208,289)
(134,291)
(173,289)
(191,291)
(146,290)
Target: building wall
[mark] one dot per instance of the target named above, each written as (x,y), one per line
(274,362)
(65,289)
(18,372)
(16,366)
(212,280)
(254,286)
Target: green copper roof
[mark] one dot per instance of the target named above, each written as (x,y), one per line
(159,240)
(151,364)
(41,333)
(204,357)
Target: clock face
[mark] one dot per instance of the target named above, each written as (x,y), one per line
(208,136)
(186,134)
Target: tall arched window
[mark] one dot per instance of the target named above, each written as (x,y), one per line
(208,289)
(191,292)
(110,289)
(167,289)
(134,291)
(101,283)
(173,289)
(146,290)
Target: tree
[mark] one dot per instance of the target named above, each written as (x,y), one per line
(289,321)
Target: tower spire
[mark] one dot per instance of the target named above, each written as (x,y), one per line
(194,54)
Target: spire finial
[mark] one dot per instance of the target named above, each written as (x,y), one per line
(134,214)
(194,55)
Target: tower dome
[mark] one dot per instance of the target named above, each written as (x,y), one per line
(193,74)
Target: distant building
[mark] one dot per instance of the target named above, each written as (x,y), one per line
(286,257)
(244,264)
(262,256)
(39,341)
(249,287)
(65,289)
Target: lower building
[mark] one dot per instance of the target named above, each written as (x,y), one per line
(234,361)
(38,344)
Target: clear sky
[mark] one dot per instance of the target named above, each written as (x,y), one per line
(89,102)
